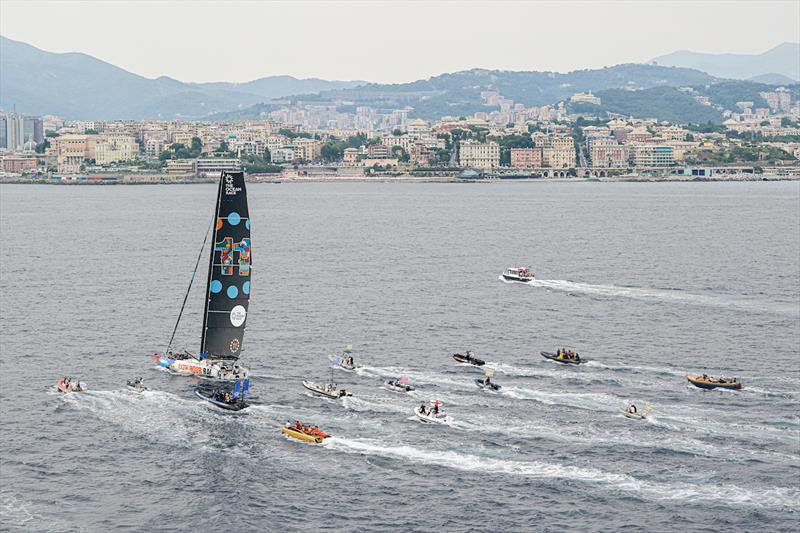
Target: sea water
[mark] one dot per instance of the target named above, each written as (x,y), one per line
(651,282)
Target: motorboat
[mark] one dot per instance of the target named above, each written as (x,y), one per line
(707,382)
(633,413)
(136,385)
(224,399)
(398,385)
(521,274)
(67,385)
(345,359)
(482,383)
(304,433)
(328,390)
(468,358)
(432,415)
(567,358)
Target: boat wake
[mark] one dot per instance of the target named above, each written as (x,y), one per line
(581,400)
(156,415)
(677,296)
(782,497)
(376,404)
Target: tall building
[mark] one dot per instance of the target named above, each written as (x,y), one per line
(32,130)
(14,131)
(3,132)
(472,154)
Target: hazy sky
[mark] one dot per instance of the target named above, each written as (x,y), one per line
(390,41)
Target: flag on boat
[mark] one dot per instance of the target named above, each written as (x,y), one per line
(488,372)
(436,402)
(246,387)
(237,387)
(349,347)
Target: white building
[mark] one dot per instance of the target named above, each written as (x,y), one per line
(215,165)
(472,154)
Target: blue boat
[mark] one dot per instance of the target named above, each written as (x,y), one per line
(225,400)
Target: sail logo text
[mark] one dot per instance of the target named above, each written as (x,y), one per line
(230,190)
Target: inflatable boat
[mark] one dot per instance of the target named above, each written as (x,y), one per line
(706,382)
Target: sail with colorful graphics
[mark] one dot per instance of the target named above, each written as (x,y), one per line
(227,290)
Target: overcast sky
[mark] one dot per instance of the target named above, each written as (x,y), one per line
(388,41)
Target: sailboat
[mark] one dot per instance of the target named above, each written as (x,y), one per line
(227,290)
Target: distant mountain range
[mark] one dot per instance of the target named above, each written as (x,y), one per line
(459,93)
(78,86)
(779,65)
(75,86)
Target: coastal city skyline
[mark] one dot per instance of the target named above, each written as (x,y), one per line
(730,114)
(415,29)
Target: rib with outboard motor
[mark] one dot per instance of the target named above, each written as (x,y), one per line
(68,384)
(487,383)
(468,358)
(344,360)
(707,382)
(304,432)
(434,415)
(329,390)
(225,399)
(398,385)
(227,290)
(564,356)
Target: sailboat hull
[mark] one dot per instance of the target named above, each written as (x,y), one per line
(207,368)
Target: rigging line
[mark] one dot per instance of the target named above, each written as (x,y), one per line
(186,297)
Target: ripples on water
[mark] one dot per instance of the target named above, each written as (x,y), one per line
(650,281)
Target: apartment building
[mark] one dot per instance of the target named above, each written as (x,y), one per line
(112,148)
(652,155)
(526,157)
(309,148)
(379,151)
(605,153)
(472,154)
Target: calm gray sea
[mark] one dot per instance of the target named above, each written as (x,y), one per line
(650,281)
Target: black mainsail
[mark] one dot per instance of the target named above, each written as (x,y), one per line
(229,272)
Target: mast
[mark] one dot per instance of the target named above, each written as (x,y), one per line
(210,269)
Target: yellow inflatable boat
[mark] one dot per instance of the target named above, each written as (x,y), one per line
(299,435)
